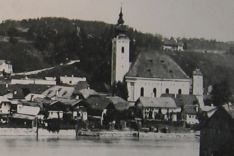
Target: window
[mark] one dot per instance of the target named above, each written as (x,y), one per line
(179,91)
(155,92)
(142,91)
(122,49)
(167,91)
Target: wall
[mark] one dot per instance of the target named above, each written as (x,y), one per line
(33,81)
(71,80)
(135,85)
(27,110)
(5,108)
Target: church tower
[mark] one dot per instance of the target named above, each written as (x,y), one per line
(120,51)
(198,86)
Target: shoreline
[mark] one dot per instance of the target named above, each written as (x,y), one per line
(96,134)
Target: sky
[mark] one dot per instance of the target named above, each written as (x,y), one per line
(210,19)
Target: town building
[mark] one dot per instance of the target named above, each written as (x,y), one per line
(160,109)
(71,80)
(189,105)
(152,73)
(172,45)
(217,134)
(5,106)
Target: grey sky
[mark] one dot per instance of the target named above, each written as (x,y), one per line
(211,19)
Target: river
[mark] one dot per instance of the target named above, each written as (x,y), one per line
(29,146)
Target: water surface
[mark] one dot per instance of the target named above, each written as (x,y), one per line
(29,146)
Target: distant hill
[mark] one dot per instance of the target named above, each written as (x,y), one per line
(215,67)
(33,44)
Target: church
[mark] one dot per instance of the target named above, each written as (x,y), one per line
(152,74)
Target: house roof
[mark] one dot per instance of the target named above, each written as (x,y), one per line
(172,42)
(97,102)
(30,103)
(59,91)
(19,90)
(188,102)
(155,65)
(3,99)
(119,103)
(69,102)
(161,102)
(87,92)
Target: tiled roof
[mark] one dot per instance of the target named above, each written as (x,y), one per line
(162,102)
(97,102)
(188,102)
(59,91)
(155,65)
(119,103)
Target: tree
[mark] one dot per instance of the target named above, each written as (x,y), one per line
(221,93)
(120,89)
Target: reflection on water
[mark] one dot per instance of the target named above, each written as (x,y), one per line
(29,146)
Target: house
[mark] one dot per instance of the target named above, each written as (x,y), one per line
(162,108)
(152,73)
(190,108)
(71,80)
(6,67)
(19,91)
(24,114)
(172,45)
(5,106)
(217,134)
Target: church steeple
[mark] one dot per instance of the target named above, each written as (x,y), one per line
(120,51)
(120,20)
(120,28)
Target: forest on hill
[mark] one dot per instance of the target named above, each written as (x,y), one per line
(32,44)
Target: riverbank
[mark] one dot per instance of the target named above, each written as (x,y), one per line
(98,134)
(135,134)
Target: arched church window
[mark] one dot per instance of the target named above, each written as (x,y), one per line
(179,91)
(142,91)
(167,91)
(155,92)
(122,49)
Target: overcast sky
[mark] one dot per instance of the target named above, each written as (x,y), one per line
(211,19)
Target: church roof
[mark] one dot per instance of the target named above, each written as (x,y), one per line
(155,65)
(161,102)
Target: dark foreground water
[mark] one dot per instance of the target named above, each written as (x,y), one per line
(29,146)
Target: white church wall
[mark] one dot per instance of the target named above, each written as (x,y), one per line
(174,85)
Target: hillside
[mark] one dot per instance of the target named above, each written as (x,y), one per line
(33,44)
(215,67)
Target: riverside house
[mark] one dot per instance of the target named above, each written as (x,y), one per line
(190,108)
(161,109)
(217,134)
